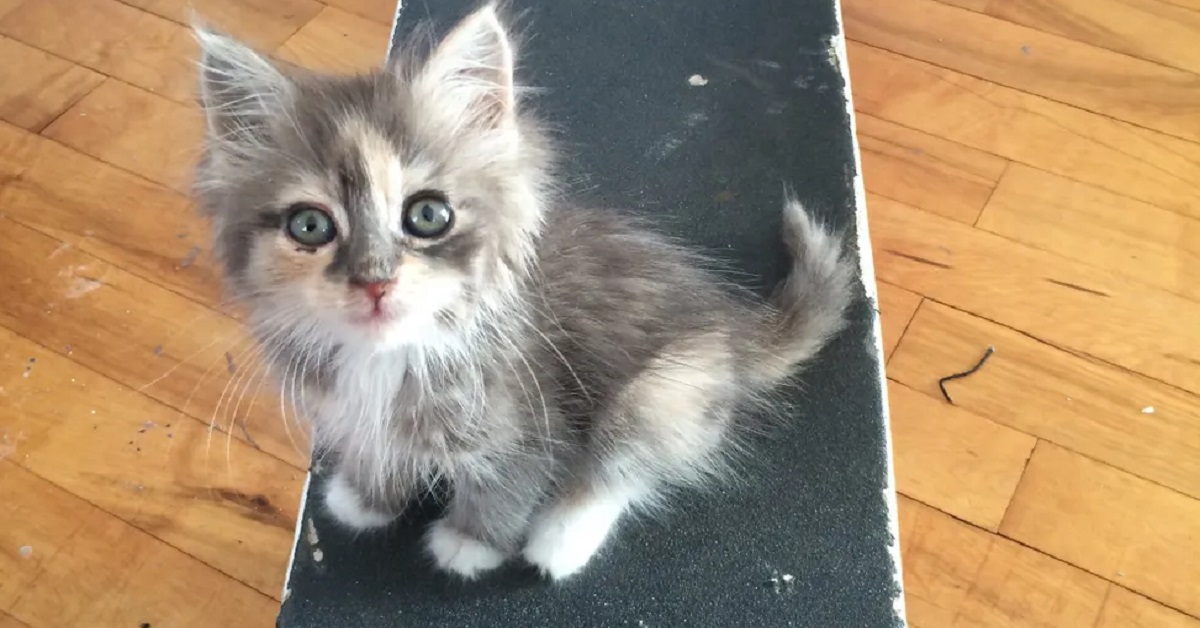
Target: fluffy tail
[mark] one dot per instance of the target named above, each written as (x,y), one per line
(810,304)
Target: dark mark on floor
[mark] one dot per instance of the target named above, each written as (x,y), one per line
(190,257)
(158,349)
(971,371)
(1026,50)
(229,365)
(918,259)
(1077,287)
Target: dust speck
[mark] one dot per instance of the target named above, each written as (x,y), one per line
(190,257)
(26,551)
(310,532)
(697,80)
(1026,50)
(158,349)
(1148,410)
(81,286)
(787,578)
(229,363)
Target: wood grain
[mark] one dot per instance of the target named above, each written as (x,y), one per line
(133,129)
(87,568)
(140,335)
(922,170)
(896,309)
(1120,25)
(264,24)
(111,38)
(8,621)
(213,497)
(950,459)
(337,41)
(1110,523)
(116,216)
(1126,609)
(1094,311)
(36,87)
(958,575)
(1076,402)
(1105,230)
(1099,80)
(1110,154)
(381,11)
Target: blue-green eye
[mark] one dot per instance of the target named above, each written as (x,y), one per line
(427,215)
(310,225)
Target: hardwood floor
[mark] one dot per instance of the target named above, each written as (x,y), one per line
(1033,170)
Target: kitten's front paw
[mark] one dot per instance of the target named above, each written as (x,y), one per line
(346,505)
(565,538)
(460,554)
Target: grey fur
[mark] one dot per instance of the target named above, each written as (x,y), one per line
(580,365)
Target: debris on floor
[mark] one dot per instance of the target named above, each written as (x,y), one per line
(971,371)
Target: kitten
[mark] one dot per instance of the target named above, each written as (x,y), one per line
(394,239)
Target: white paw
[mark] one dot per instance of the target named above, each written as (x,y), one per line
(565,538)
(460,554)
(347,507)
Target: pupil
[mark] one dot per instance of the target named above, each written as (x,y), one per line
(427,213)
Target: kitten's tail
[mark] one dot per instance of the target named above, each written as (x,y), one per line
(810,304)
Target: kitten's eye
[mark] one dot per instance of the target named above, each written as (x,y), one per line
(310,225)
(427,215)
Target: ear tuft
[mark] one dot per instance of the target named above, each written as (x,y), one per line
(240,90)
(471,71)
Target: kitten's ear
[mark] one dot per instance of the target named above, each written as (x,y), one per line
(239,89)
(471,71)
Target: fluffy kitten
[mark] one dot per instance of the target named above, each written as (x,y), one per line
(393,238)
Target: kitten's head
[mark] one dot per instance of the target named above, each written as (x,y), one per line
(384,209)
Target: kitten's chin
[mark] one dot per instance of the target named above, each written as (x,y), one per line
(381,333)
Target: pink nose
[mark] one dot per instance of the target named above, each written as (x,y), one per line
(375,289)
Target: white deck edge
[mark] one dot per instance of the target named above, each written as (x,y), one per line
(867,275)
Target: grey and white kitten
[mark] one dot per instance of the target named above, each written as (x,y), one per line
(394,239)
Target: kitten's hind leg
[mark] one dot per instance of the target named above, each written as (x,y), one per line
(664,429)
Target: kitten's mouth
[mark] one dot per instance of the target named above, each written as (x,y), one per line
(374,318)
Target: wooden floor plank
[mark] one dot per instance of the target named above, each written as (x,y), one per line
(1053,298)
(958,575)
(67,563)
(8,621)
(107,212)
(1078,403)
(112,38)
(925,171)
(381,11)
(262,23)
(337,41)
(1102,229)
(37,87)
(136,130)
(1126,609)
(1099,80)
(1112,155)
(896,308)
(179,352)
(950,459)
(1110,523)
(215,498)
(1148,29)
